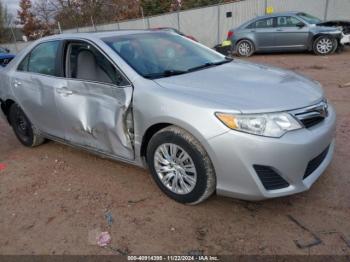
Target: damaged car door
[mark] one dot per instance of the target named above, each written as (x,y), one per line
(95,107)
(35,83)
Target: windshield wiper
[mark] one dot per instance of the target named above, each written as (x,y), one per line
(168,73)
(210,64)
(165,73)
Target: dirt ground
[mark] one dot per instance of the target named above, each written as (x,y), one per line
(52,197)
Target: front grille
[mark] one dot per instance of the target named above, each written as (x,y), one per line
(315,163)
(270,179)
(310,122)
(313,115)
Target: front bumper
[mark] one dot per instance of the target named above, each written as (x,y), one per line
(345,40)
(235,153)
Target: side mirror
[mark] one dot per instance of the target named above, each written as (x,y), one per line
(300,24)
(7,50)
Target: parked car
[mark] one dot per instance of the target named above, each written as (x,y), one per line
(200,121)
(176,31)
(5,56)
(291,31)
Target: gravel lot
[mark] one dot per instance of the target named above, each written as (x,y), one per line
(52,197)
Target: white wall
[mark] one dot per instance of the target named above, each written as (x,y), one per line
(338,9)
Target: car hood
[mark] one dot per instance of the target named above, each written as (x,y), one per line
(335,23)
(345,25)
(247,87)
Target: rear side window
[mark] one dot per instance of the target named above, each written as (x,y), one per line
(85,62)
(42,59)
(263,23)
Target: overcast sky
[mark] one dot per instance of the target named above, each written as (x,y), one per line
(12,6)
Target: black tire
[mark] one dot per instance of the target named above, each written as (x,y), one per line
(245,48)
(325,45)
(205,184)
(23,128)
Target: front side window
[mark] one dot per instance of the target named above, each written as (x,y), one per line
(42,59)
(85,62)
(287,21)
(162,54)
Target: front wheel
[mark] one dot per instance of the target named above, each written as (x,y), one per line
(325,45)
(180,166)
(23,127)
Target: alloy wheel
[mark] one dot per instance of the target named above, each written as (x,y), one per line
(324,46)
(175,168)
(244,49)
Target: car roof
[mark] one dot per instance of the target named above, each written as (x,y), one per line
(98,35)
(279,14)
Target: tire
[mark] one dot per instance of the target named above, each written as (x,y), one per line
(325,45)
(23,128)
(179,179)
(245,48)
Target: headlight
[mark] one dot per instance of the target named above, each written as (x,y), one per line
(270,125)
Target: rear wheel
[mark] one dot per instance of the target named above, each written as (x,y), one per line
(23,127)
(180,166)
(245,48)
(325,45)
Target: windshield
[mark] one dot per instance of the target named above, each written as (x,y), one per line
(2,50)
(162,54)
(309,18)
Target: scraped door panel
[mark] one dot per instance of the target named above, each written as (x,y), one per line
(94,116)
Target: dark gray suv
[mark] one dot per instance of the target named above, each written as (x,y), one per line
(292,31)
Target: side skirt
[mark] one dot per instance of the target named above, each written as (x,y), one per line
(94,151)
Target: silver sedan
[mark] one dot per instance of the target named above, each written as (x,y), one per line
(201,122)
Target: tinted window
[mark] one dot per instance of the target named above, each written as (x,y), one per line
(85,62)
(287,21)
(42,59)
(264,23)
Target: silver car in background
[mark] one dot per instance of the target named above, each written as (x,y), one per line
(281,32)
(199,121)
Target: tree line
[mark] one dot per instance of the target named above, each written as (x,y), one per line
(40,18)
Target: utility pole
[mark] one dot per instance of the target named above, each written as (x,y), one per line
(179,3)
(93,24)
(59,27)
(14,38)
(143,16)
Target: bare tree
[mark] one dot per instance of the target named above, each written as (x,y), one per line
(45,11)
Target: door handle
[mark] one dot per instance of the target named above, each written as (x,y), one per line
(279,30)
(64,92)
(17,83)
